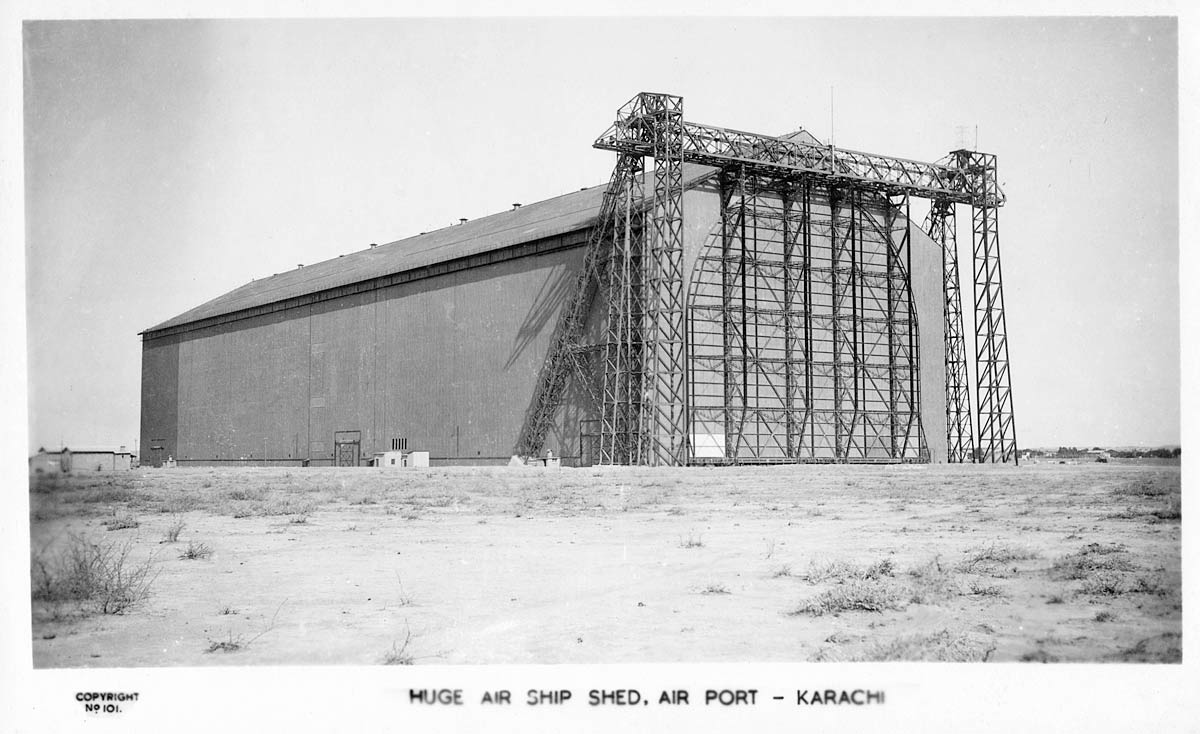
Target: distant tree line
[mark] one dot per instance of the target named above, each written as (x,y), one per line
(1073,452)
(1149,454)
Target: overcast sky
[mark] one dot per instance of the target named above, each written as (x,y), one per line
(169,162)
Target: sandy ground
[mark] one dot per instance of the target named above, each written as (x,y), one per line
(515,565)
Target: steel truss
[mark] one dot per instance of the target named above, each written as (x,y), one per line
(801,331)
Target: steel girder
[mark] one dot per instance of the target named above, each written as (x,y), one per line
(773,156)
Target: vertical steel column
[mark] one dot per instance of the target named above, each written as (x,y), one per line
(789,357)
(940,226)
(914,353)
(623,347)
(894,304)
(744,360)
(809,428)
(728,338)
(664,424)
(997,434)
(856,297)
(835,323)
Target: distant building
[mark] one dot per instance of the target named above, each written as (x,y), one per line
(67,461)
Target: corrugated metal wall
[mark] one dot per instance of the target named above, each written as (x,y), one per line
(447,363)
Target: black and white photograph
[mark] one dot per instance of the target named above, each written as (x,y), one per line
(780,363)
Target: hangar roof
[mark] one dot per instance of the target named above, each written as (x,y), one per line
(556,216)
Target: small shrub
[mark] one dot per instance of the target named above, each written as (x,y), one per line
(1102,549)
(405,598)
(979,589)
(1092,559)
(231,644)
(100,575)
(931,583)
(990,559)
(195,551)
(112,496)
(298,520)
(854,596)
(1173,510)
(226,609)
(1164,648)
(1148,584)
(121,522)
(1105,616)
(173,531)
(843,571)
(691,541)
(1104,584)
(244,494)
(399,654)
(1142,488)
(943,646)
(784,571)
(715,589)
(179,504)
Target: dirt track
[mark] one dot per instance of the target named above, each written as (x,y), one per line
(503,565)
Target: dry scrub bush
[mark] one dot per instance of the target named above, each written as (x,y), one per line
(244,494)
(994,560)
(854,596)
(399,655)
(944,646)
(173,531)
(842,571)
(1091,560)
(1156,486)
(195,551)
(121,522)
(179,504)
(99,575)
(931,583)
(1173,510)
(1108,583)
(1164,648)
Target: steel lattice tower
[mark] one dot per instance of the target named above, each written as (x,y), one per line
(997,431)
(664,430)
(769,269)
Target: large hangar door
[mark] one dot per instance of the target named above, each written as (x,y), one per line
(347,448)
(802,330)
